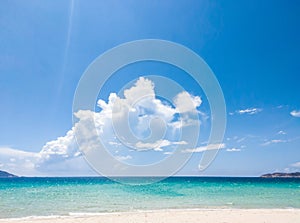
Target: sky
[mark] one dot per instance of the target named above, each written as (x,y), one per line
(251,46)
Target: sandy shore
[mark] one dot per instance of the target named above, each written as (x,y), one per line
(178,216)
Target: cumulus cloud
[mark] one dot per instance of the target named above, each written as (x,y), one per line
(139,99)
(139,108)
(185,102)
(148,116)
(204,148)
(295,113)
(249,111)
(142,88)
(60,149)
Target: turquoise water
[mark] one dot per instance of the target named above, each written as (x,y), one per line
(20,197)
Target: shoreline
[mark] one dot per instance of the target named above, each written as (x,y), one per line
(214,215)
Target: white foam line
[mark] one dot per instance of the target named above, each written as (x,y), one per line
(91,214)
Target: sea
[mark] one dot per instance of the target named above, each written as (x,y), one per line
(23,197)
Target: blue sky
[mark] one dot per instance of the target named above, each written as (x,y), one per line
(252,47)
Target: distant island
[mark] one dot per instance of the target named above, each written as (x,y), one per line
(281,175)
(4,174)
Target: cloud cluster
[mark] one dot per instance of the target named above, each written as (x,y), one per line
(146,116)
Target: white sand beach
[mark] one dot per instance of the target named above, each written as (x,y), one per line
(177,216)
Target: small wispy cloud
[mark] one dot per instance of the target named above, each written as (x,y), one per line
(297,164)
(281,133)
(295,113)
(158,145)
(241,139)
(233,150)
(122,158)
(204,148)
(274,141)
(112,143)
(249,111)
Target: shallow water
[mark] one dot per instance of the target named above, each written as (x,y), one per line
(21,197)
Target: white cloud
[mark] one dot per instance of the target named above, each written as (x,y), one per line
(249,111)
(241,140)
(273,141)
(185,102)
(141,106)
(297,165)
(184,122)
(18,154)
(17,161)
(204,148)
(157,146)
(62,156)
(295,113)
(233,150)
(281,133)
(115,143)
(60,149)
(123,158)
(142,88)
(23,163)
